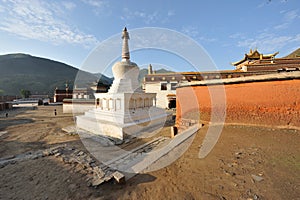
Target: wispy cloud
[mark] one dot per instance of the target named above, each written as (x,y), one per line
(237,36)
(193,32)
(40,20)
(288,18)
(98,6)
(272,38)
(69,5)
(270,42)
(95,3)
(263,3)
(146,17)
(171,13)
(291,15)
(2,9)
(284,25)
(267,2)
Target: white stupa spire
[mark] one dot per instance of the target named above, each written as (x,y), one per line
(125,72)
(125,48)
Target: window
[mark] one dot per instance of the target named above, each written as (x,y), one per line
(173,86)
(111,104)
(163,86)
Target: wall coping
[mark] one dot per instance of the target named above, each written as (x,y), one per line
(247,79)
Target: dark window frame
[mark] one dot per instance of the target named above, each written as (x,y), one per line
(173,86)
(163,86)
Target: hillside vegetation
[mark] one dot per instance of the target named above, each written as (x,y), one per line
(39,75)
(42,76)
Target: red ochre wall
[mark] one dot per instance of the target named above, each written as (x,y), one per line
(267,103)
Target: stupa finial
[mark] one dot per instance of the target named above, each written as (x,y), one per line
(125,48)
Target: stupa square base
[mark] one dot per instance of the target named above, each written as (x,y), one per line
(120,130)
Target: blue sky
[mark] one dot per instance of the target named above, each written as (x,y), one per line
(68,31)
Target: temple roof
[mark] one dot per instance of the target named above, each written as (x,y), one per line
(255,55)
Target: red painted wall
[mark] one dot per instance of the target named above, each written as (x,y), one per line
(269,103)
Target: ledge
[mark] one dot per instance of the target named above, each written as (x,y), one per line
(248,79)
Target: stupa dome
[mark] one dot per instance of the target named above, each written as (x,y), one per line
(125,70)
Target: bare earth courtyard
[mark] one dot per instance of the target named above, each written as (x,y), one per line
(248,162)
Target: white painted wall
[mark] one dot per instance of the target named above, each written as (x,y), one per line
(161,95)
(77,108)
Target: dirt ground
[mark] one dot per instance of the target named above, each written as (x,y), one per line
(248,162)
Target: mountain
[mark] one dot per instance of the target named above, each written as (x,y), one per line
(39,75)
(294,54)
(105,80)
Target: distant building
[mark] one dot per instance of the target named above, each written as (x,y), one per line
(5,106)
(42,97)
(82,93)
(164,85)
(88,93)
(83,99)
(99,87)
(251,58)
(6,98)
(6,102)
(255,61)
(60,95)
(39,96)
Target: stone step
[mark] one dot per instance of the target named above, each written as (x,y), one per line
(135,150)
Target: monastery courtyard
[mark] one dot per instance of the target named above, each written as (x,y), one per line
(248,162)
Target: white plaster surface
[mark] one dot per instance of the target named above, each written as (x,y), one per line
(125,109)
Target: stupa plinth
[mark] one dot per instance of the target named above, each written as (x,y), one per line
(126,109)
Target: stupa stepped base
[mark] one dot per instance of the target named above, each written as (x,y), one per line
(106,124)
(124,85)
(130,116)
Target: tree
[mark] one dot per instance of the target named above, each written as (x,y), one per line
(25,93)
(1,92)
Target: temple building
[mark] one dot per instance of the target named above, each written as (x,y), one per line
(164,85)
(61,94)
(253,64)
(251,58)
(88,92)
(255,61)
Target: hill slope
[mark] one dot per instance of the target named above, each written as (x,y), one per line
(38,75)
(294,54)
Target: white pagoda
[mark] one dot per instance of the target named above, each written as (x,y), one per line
(126,110)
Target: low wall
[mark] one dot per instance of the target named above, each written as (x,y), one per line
(78,105)
(260,100)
